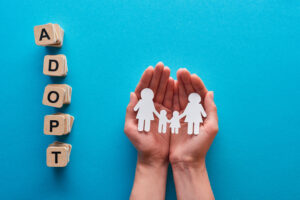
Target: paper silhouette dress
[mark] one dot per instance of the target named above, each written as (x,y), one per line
(193,113)
(145,108)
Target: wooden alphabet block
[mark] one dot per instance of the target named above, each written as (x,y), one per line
(56,95)
(58,154)
(49,35)
(55,65)
(58,124)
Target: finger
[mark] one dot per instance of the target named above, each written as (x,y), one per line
(176,105)
(198,85)
(185,77)
(211,110)
(158,70)
(168,97)
(145,81)
(130,114)
(183,99)
(159,97)
(130,118)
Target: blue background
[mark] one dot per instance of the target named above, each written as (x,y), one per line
(246,51)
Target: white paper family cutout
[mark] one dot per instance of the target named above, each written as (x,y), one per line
(145,108)
(193,114)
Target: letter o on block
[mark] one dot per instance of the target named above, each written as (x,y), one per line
(54,95)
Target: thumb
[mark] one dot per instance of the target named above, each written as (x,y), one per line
(211,111)
(133,101)
(130,114)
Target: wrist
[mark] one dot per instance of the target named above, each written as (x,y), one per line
(152,161)
(157,168)
(182,165)
(191,180)
(187,160)
(150,179)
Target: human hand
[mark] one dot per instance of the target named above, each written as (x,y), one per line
(152,146)
(192,148)
(187,152)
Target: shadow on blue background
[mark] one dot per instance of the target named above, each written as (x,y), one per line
(246,51)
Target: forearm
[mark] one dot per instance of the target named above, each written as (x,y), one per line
(150,181)
(191,181)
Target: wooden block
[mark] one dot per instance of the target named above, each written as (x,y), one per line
(56,95)
(49,35)
(60,34)
(58,124)
(55,65)
(58,154)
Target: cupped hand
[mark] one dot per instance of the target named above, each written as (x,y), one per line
(186,148)
(151,146)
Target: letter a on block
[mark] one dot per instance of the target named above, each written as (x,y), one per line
(45,35)
(49,35)
(58,154)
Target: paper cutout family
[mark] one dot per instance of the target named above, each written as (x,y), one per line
(193,114)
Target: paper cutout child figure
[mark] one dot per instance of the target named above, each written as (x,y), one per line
(163,120)
(193,113)
(175,123)
(145,108)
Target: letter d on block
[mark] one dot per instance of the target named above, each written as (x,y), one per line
(55,65)
(51,64)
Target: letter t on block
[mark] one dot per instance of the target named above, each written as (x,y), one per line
(58,154)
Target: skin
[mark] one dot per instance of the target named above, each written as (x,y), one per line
(186,153)
(152,147)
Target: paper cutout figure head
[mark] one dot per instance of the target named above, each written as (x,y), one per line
(175,114)
(147,94)
(163,112)
(194,98)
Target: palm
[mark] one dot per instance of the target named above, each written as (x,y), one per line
(189,147)
(151,144)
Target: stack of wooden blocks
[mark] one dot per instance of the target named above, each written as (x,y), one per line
(55,95)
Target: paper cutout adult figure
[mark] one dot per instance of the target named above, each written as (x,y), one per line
(193,113)
(175,123)
(163,120)
(145,108)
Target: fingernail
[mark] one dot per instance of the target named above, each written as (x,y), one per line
(212,94)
